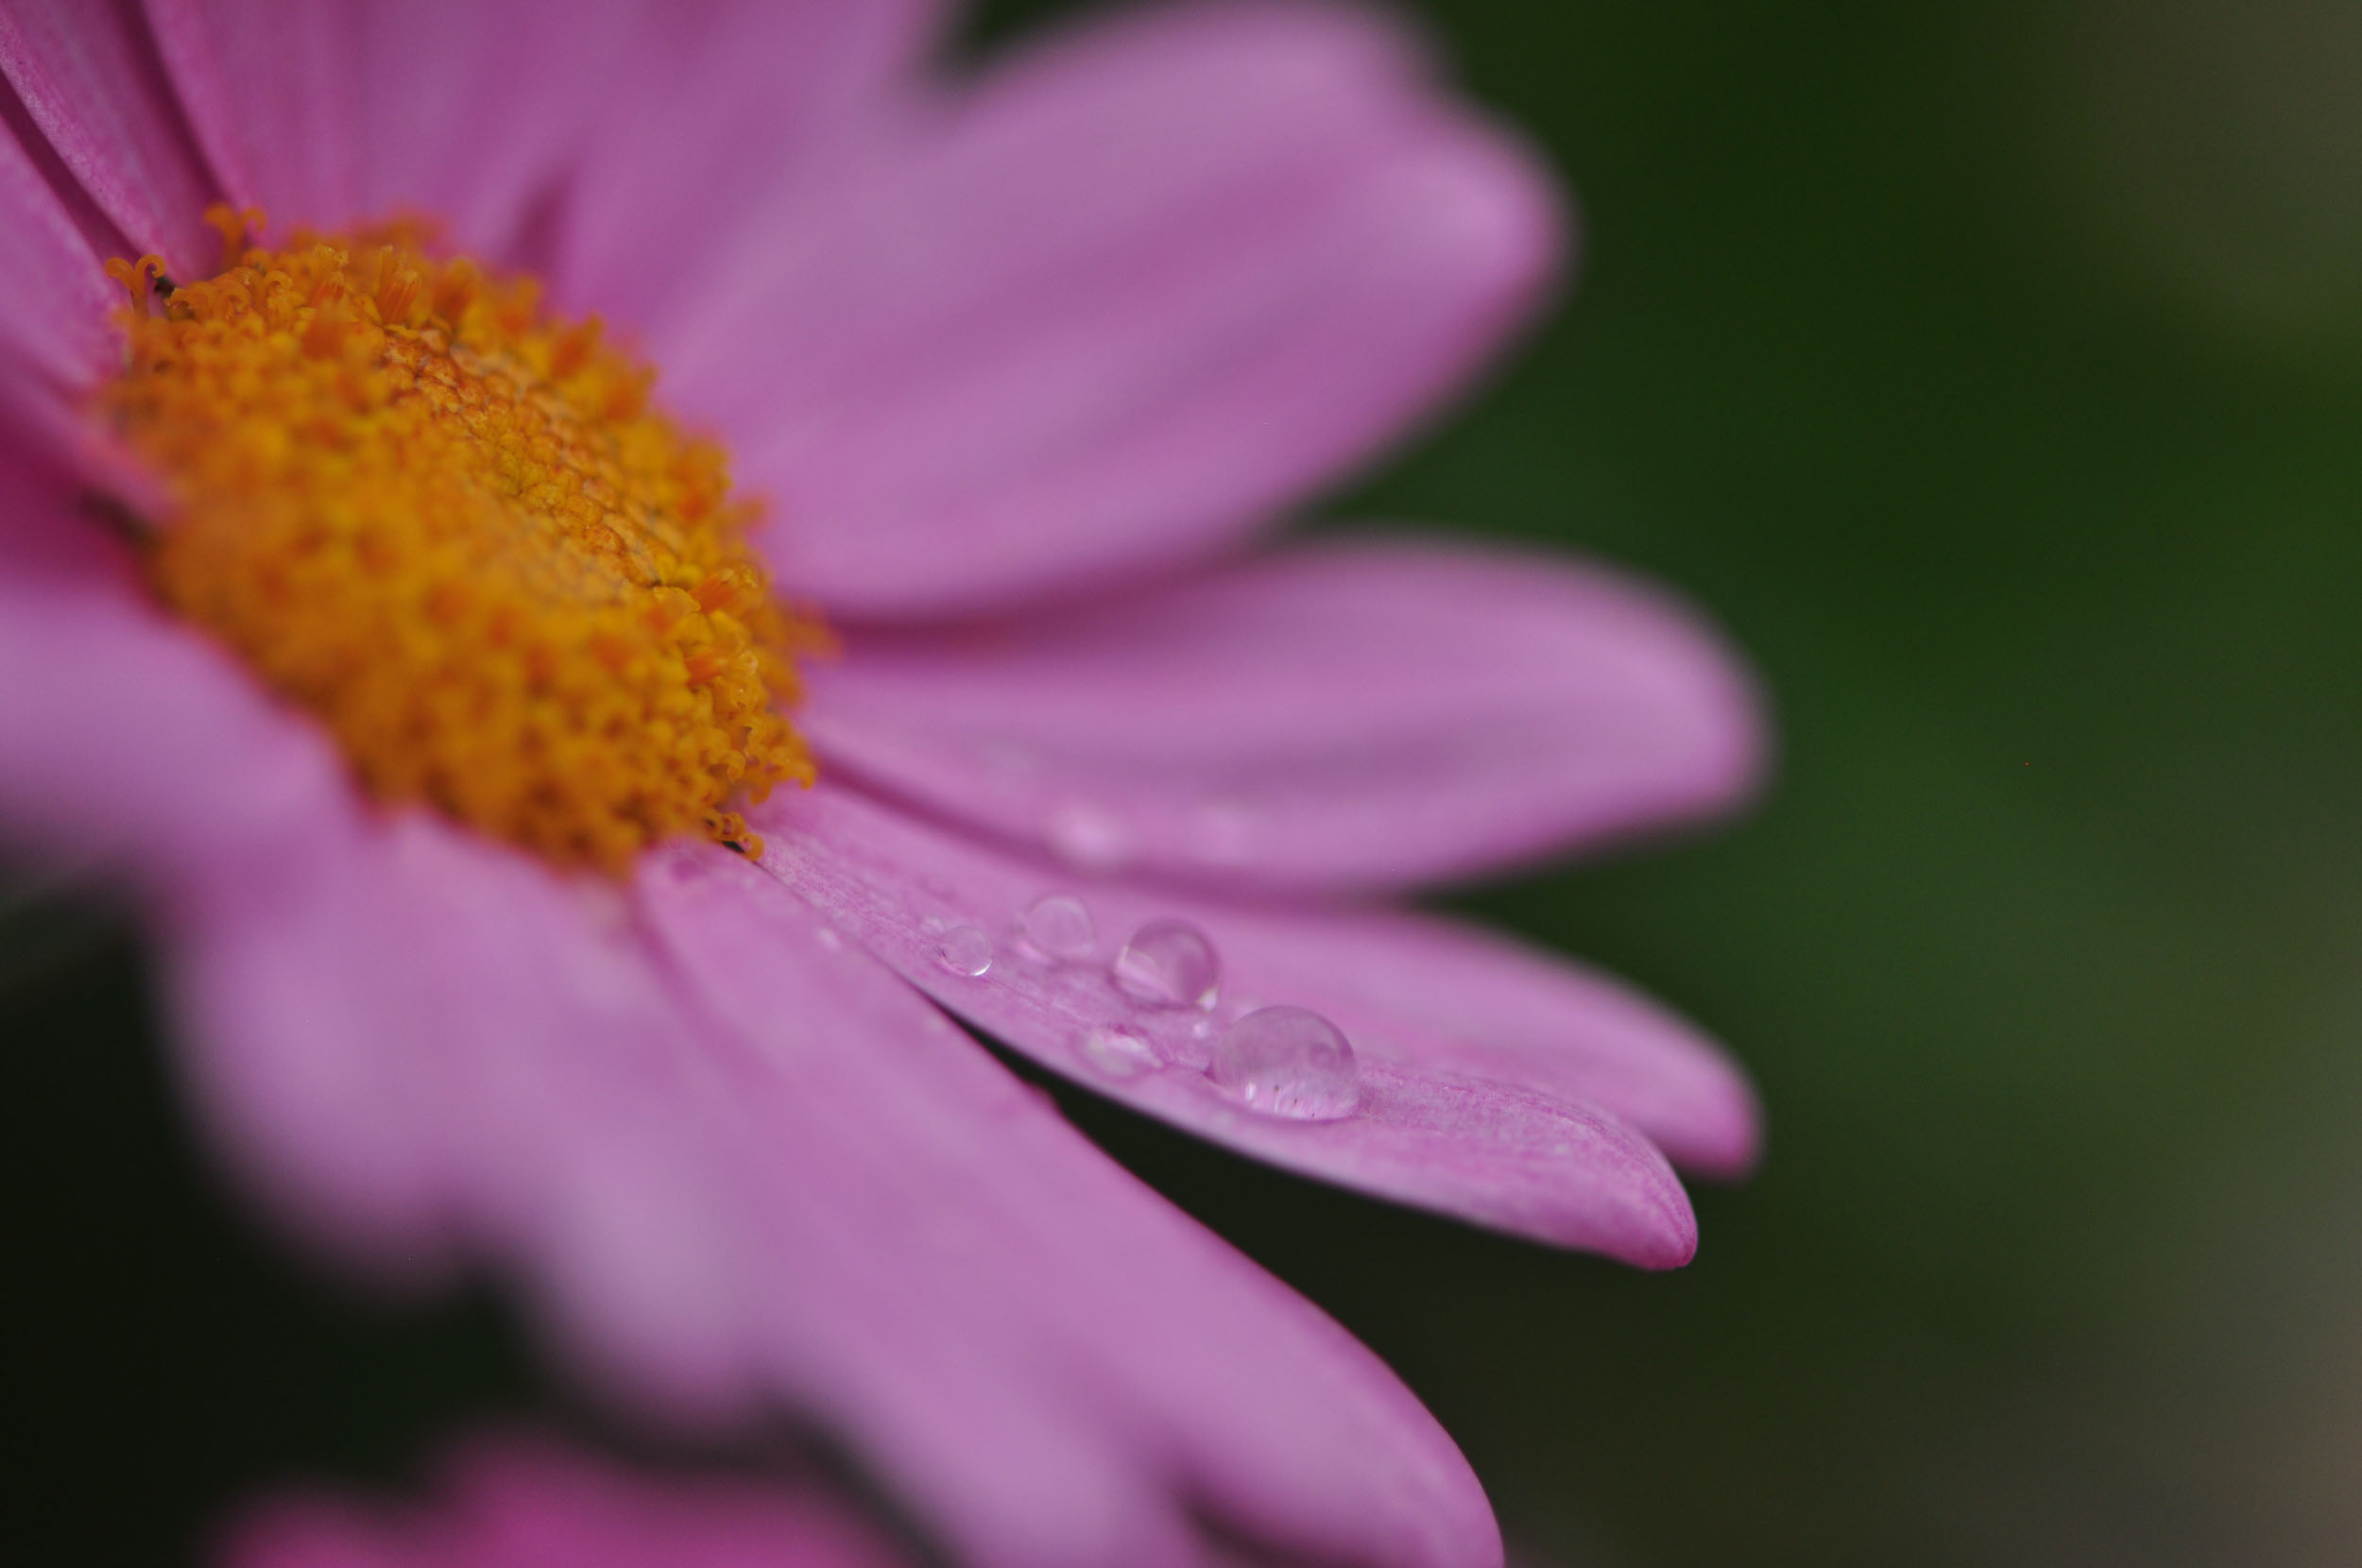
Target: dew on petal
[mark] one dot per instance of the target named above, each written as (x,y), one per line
(1168,964)
(1288,1061)
(965,951)
(827,936)
(1061,926)
(1118,1052)
(1193,1044)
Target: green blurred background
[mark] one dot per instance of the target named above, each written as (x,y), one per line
(1994,373)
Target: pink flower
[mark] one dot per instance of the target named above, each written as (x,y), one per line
(1023,361)
(527,1503)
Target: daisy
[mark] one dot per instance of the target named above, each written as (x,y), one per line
(563,866)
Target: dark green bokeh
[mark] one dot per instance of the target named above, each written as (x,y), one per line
(1899,348)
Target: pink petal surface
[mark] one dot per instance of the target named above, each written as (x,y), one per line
(475,112)
(271,89)
(88,75)
(733,1160)
(526,1503)
(1355,715)
(1106,310)
(729,110)
(1465,1126)
(53,299)
(124,738)
(328,112)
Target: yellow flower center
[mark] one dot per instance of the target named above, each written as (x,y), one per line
(451,527)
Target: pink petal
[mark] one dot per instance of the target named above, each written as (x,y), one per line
(88,75)
(475,112)
(519,1503)
(611,146)
(1438,995)
(1369,714)
(324,113)
(1108,309)
(271,88)
(728,107)
(735,1161)
(126,737)
(1469,1128)
(54,301)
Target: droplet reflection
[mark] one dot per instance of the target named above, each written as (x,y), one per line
(1168,964)
(1118,1052)
(1288,1061)
(965,951)
(1061,926)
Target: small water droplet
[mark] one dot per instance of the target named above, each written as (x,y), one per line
(828,937)
(1168,964)
(1191,1045)
(1061,926)
(1288,1061)
(1118,1052)
(1088,837)
(965,951)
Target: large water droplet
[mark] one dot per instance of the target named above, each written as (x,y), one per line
(1168,964)
(1061,926)
(1288,1061)
(1118,1052)
(965,951)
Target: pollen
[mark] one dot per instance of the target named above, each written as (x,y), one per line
(452,526)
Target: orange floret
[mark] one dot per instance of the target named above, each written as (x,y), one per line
(452,527)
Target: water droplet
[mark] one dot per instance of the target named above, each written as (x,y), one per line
(1088,837)
(1061,926)
(1118,1052)
(1168,964)
(965,951)
(1288,1061)
(1191,1045)
(828,937)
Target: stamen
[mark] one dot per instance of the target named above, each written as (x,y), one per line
(452,528)
(138,277)
(235,227)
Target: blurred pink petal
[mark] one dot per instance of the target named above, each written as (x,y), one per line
(330,111)
(1340,715)
(86,73)
(731,1157)
(270,89)
(53,299)
(1435,1127)
(523,1503)
(713,130)
(475,112)
(1111,307)
(125,737)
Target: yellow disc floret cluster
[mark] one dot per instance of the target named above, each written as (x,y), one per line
(452,528)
